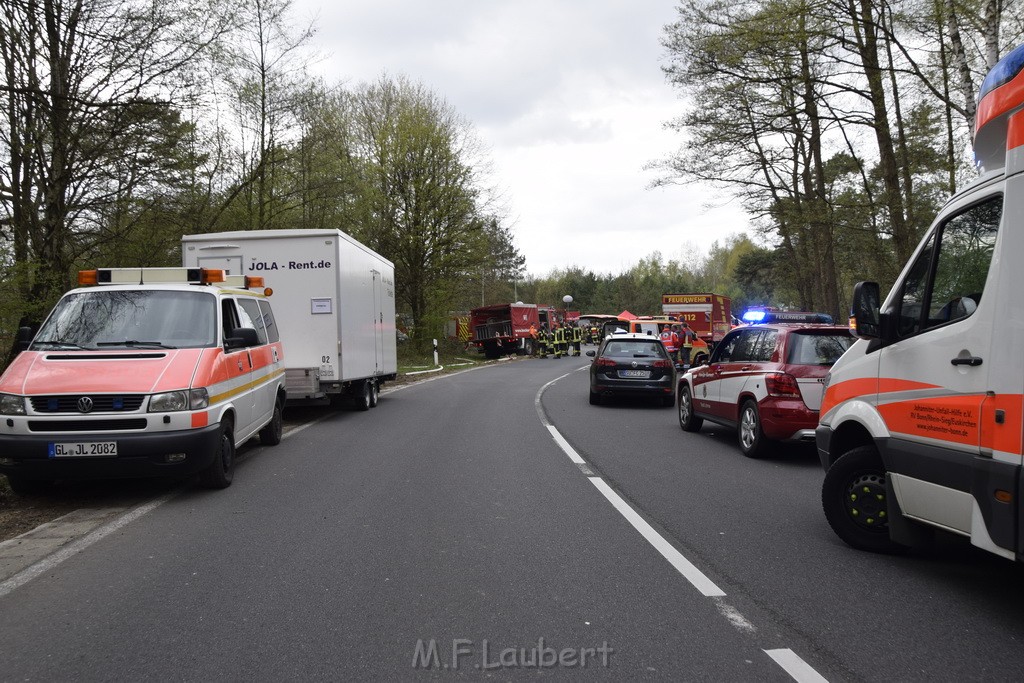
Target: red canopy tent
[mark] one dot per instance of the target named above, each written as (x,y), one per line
(626,315)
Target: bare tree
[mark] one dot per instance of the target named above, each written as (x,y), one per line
(89,113)
(267,74)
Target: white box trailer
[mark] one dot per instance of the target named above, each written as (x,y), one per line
(334,300)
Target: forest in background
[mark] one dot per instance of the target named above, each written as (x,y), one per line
(840,124)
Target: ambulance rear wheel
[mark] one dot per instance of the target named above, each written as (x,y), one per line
(222,470)
(854,499)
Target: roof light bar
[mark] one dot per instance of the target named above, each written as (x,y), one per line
(150,276)
(758,316)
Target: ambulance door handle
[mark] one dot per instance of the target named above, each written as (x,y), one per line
(972,361)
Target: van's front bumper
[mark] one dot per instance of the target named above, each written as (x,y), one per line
(138,455)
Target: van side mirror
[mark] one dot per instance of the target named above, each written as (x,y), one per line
(242,338)
(867,303)
(24,338)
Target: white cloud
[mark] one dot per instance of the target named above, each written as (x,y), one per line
(569,97)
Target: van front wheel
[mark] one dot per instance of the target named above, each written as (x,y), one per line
(222,470)
(854,499)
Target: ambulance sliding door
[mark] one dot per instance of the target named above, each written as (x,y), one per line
(934,379)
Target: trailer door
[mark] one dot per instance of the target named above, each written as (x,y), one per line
(378,322)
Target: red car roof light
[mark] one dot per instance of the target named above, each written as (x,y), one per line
(781,385)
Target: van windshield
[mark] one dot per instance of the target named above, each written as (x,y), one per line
(130,319)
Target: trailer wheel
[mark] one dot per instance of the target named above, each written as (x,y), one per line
(222,470)
(363,397)
(374,393)
(853,497)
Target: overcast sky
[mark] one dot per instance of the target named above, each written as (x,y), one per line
(569,98)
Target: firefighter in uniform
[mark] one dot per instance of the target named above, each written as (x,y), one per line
(559,340)
(686,336)
(542,340)
(577,340)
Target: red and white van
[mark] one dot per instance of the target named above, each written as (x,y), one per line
(922,421)
(144,372)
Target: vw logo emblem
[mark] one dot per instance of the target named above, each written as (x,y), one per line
(634,364)
(85,405)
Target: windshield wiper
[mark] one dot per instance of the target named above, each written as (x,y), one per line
(135,342)
(54,342)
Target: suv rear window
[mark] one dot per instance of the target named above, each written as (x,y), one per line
(635,348)
(808,348)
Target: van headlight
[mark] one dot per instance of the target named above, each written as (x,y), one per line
(11,404)
(174,401)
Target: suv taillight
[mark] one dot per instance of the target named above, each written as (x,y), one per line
(661,364)
(606,363)
(781,385)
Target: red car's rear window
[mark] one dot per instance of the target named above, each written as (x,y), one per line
(817,347)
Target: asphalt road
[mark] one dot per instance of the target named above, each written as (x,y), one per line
(446,534)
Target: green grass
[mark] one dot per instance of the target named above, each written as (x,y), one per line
(452,356)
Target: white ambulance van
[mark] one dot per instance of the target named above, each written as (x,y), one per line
(143,372)
(922,419)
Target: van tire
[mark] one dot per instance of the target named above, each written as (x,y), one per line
(29,487)
(374,393)
(688,422)
(749,433)
(853,497)
(222,470)
(272,432)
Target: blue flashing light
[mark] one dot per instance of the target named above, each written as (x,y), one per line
(1003,72)
(753,316)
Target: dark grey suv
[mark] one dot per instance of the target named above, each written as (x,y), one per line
(632,365)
